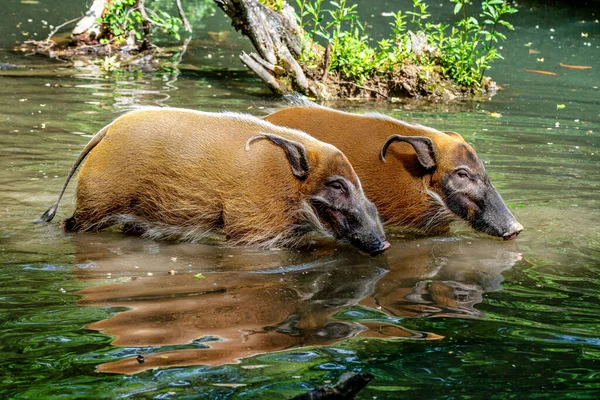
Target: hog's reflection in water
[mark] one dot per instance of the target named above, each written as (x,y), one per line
(249,302)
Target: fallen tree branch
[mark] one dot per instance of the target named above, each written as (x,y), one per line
(276,38)
(53,32)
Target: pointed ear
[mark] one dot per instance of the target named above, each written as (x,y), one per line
(423,147)
(294,151)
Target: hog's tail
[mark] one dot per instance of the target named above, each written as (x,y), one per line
(50,212)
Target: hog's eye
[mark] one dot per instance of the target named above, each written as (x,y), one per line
(463,173)
(337,185)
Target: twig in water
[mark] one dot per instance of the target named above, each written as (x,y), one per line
(184,48)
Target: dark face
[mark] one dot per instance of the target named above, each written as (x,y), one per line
(468,193)
(347,215)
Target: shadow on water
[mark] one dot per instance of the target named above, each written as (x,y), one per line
(248,303)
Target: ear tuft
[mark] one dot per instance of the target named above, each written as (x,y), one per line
(294,151)
(423,147)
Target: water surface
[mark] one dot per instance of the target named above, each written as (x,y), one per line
(462,315)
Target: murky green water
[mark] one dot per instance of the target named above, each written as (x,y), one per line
(443,317)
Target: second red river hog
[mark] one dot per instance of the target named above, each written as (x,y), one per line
(185,174)
(419,177)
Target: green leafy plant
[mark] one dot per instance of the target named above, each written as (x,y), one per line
(463,53)
(468,51)
(125,17)
(352,57)
(419,14)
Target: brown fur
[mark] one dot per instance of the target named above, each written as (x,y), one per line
(400,188)
(419,178)
(185,174)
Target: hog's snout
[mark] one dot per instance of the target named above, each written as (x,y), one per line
(513,231)
(384,246)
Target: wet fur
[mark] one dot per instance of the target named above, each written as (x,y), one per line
(406,200)
(413,173)
(253,199)
(195,231)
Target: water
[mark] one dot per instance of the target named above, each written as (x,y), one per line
(443,317)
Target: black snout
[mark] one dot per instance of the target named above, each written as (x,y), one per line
(386,245)
(513,232)
(494,218)
(347,215)
(372,245)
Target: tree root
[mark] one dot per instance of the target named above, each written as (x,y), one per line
(276,38)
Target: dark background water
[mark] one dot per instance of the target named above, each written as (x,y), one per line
(444,317)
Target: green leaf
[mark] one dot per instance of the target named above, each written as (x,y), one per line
(199,276)
(457,7)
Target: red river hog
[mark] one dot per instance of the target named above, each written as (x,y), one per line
(184,174)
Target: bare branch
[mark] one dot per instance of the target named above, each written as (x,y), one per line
(141,7)
(186,24)
(326,62)
(53,32)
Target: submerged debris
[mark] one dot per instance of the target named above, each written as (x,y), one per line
(575,66)
(537,71)
(347,387)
